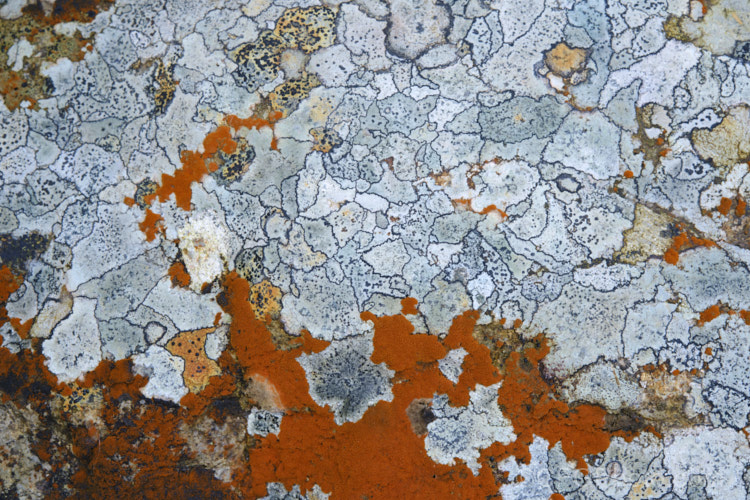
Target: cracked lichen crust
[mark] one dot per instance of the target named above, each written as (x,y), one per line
(217,217)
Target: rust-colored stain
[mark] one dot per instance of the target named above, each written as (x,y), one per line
(628,174)
(466,203)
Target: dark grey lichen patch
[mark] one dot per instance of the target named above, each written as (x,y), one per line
(16,252)
(416,25)
(522,118)
(343,377)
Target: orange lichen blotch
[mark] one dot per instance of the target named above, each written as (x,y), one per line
(682,240)
(556,496)
(526,399)
(709,315)
(409,306)
(151,224)
(628,174)
(741,207)
(477,367)
(255,122)
(179,275)
(724,206)
(745,315)
(191,347)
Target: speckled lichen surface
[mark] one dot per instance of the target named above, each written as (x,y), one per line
(375,249)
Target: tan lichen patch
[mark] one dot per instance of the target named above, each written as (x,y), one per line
(83,404)
(728,142)
(737,223)
(217,446)
(501,339)
(191,346)
(665,395)
(724,23)
(420,415)
(265,300)
(646,238)
(564,60)
(652,148)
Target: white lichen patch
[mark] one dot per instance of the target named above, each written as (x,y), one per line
(203,243)
(462,432)
(75,346)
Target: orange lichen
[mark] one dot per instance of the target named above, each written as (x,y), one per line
(409,306)
(724,206)
(556,496)
(628,174)
(151,225)
(741,207)
(191,347)
(179,274)
(196,165)
(682,241)
(709,315)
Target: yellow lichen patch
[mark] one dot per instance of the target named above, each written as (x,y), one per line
(649,118)
(287,96)
(164,87)
(564,60)
(266,300)
(729,141)
(298,29)
(308,29)
(325,139)
(648,236)
(191,346)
